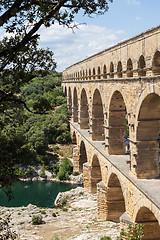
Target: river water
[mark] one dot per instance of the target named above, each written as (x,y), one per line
(41,194)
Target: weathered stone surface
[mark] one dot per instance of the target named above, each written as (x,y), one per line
(79,222)
(116,87)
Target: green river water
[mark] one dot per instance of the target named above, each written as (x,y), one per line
(41,194)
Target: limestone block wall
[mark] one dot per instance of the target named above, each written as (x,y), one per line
(121,100)
(117,195)
(114,100)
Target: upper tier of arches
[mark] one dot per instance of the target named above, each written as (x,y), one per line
(119,69)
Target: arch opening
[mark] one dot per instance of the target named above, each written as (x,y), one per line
(82,157)
(99,73)
(156,63)
(96,175)
(104,72)
(150,223)
(74,139)
(117,125)
(147,158)
(141,66)
(86,75)
(89,74)
(83,75)
(111,70)
(94,73)
(65,91)
(75,106)
(84,115)
(119,70)
(97,117)
(129,68)
(69,100)
(115,199)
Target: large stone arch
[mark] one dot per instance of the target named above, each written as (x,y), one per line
(84,114)
(146,159)
(82,156)
(69,99)
(96,175)
(92,175)
(75,105)
(117,124)
(115,199)
(152,88)
(97,117)
(151,226)
(110,199)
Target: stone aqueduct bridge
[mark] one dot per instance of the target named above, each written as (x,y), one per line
(119,86)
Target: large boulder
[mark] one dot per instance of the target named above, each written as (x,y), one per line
(74,195)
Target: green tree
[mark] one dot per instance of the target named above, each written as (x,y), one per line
(65,169)
(19,53)
(20,61)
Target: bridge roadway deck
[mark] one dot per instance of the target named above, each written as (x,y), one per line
(149,187)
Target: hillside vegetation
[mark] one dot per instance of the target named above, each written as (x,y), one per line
(27,134)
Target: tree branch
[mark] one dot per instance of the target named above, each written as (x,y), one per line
(29,36)
(12,11)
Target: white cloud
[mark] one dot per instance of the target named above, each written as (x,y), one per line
(139,18)
(69,47)
(133,2)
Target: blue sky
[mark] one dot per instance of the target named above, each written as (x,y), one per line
(124,19)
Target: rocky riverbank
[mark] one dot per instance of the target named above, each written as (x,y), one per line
(77,220)
(49,177)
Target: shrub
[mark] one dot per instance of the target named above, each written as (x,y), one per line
(105,238)
(55,168)
(63,201)
(42,173)
(37,219)
(65,169)
(75,173)
(30,171)
(65,209)
(43,212)
(61,174)
(54,214)
(133,232)
(20,172)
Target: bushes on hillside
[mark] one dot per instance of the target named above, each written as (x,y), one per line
(25,136)
(65,169)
